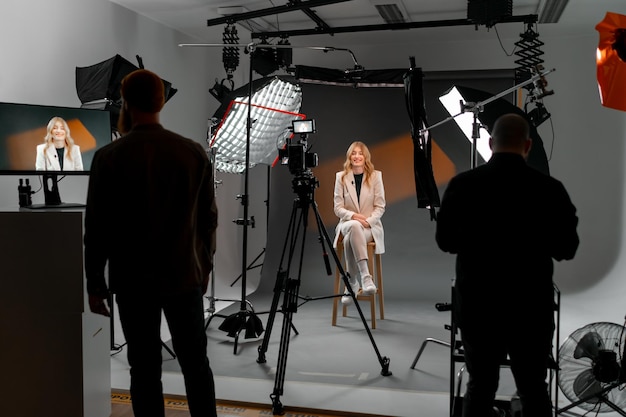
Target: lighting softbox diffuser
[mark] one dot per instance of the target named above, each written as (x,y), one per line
(276,102)
(610,67)
(98,85)
(491,111)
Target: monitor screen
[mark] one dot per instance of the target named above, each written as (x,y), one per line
(35,139)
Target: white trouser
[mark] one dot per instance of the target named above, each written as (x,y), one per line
(355,239)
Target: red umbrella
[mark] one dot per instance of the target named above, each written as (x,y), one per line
(610,61)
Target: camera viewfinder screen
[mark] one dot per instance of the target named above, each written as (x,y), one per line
(304,126)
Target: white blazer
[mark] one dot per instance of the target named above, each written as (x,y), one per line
(48,159)
(371,204)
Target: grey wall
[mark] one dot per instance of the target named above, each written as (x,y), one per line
(42,42)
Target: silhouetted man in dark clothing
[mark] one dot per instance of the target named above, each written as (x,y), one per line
(506,222)
(151,215)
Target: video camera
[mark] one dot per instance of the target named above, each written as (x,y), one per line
(295,155)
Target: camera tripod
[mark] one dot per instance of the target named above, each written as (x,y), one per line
(304,185)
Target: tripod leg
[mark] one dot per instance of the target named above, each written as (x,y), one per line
(290,303)
(279,285)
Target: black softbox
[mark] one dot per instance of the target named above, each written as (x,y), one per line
(98,85)
(425,185)
(349,77)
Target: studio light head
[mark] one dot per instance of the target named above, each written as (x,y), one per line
(539,114)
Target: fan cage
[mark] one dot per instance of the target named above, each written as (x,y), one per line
(590,362)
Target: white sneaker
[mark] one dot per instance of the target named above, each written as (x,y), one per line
(347,298)
(368,286)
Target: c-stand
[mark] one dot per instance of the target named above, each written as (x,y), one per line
(304,185)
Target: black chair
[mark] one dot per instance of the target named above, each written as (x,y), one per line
(457,355)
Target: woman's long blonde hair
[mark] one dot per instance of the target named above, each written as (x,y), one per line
(49,140)
(368,165)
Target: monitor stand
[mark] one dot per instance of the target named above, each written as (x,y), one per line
(52,196)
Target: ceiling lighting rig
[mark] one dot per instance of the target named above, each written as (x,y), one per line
(530,64)
(488,12)
(529,53)
(230,59)
(230,54)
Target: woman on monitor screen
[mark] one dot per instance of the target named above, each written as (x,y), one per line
(359,202)
(58,152)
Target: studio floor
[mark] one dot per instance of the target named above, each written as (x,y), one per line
(329,367)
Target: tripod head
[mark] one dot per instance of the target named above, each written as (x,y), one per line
(304,185)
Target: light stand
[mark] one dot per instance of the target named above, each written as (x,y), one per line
(245,318)
(211,310)
(253,264)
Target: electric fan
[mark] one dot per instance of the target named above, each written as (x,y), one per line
(590,370)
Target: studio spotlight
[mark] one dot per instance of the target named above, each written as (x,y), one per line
(275,102)
(265,60)
(539,114)
(284,55)
(221,91)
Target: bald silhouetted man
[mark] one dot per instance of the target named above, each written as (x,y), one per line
(506,222)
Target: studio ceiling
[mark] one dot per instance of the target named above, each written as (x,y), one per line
(192,17)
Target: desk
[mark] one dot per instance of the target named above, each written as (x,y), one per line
(55,357)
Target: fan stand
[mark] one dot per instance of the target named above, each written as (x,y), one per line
(601,396)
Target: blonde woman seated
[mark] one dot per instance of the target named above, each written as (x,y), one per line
(58,152)
(359,202)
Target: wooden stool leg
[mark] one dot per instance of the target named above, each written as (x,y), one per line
(336,299)
(379,283)
(373,310)
(375,266)
(337,286)
(372,298)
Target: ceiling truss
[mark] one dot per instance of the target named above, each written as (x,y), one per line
(323,28)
